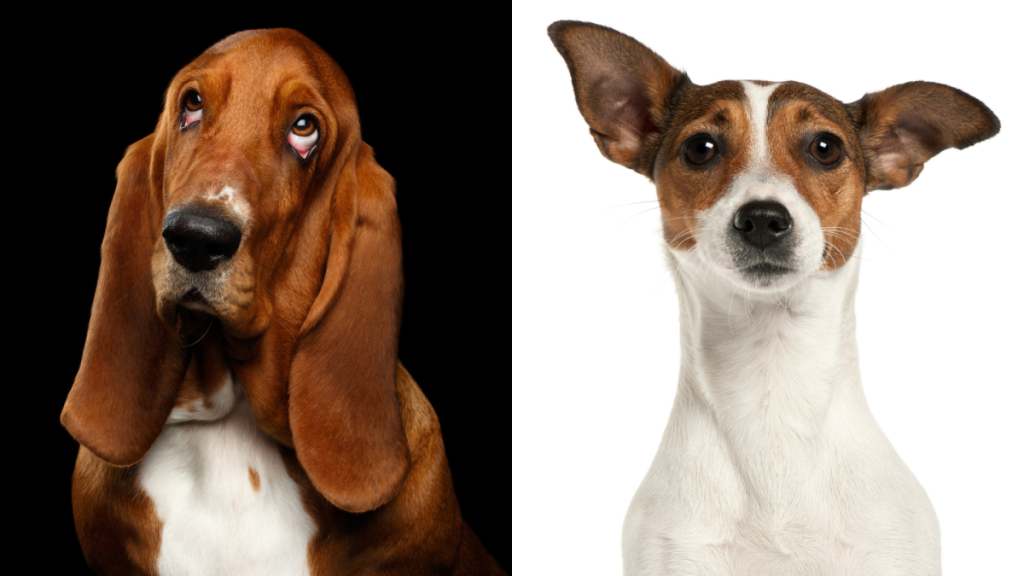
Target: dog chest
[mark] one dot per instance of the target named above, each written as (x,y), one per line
(856,511)
(224,496)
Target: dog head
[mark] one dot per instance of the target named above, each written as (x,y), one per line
(255,206)
(758,182)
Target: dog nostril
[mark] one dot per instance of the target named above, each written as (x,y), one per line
(199,241)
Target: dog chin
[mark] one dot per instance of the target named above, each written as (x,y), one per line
(766,277)
(195,302)
(765,274)
(184,312)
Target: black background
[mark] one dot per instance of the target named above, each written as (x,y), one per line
(80,93)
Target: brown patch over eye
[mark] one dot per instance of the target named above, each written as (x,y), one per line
(304,126)
(699,149)
(826,150)
(193,101)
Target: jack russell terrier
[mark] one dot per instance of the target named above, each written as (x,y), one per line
(771,463)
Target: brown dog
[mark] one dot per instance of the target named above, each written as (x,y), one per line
(240,404)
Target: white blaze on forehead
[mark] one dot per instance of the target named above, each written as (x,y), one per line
(757,113)
(233,200)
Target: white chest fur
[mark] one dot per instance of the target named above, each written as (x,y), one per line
(220,487)
(771,462)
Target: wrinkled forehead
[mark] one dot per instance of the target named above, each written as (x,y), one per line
(257,60)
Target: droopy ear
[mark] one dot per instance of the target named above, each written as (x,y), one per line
(903,126)
(623,90)
(343,403)
(133,364)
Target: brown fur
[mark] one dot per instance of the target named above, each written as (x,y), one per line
(608,68)
(307,319)
(903,126)
(797,113)
(115,520)
(684,193)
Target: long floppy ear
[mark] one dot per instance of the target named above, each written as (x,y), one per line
(343,403)
(132,365)
(903,126)
(623,89)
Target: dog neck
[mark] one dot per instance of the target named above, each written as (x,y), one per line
(766,378)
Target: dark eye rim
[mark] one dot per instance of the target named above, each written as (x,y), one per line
(715,157)
(835,140)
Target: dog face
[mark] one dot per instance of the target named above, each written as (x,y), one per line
(242,153)
(758,182)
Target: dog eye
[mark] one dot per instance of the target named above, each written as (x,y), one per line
(826,150)
(303,135)
(193,108)
(699,149)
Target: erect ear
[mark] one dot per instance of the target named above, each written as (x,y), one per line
(133,364)
(903,126)
(343,402)
(622,89)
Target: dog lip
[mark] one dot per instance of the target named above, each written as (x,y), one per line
(193,300)
(766,269)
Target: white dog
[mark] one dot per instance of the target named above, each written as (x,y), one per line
(771,463)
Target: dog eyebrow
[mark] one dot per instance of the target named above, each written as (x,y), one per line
(813,103)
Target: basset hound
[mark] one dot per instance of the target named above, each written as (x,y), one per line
(240,405)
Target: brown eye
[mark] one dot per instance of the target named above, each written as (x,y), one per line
(304,135)
(193,102)
(826,149)
(304,126)
(193,109)
(699,149)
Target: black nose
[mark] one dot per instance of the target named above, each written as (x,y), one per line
(762,223)
(199,241)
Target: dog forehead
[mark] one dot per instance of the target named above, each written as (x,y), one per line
(692,102)
(810,101)
(270,58)
(758,98)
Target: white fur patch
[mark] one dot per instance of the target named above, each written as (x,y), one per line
(234,202)
(771,462)
(757,113)
(215,521)
(217,406)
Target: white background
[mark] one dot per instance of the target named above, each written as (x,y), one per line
(594,315)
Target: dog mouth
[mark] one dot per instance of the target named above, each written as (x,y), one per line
(764,274)
(194,300)
(766,269)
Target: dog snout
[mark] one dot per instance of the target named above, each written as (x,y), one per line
(762,223)
(200,241)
